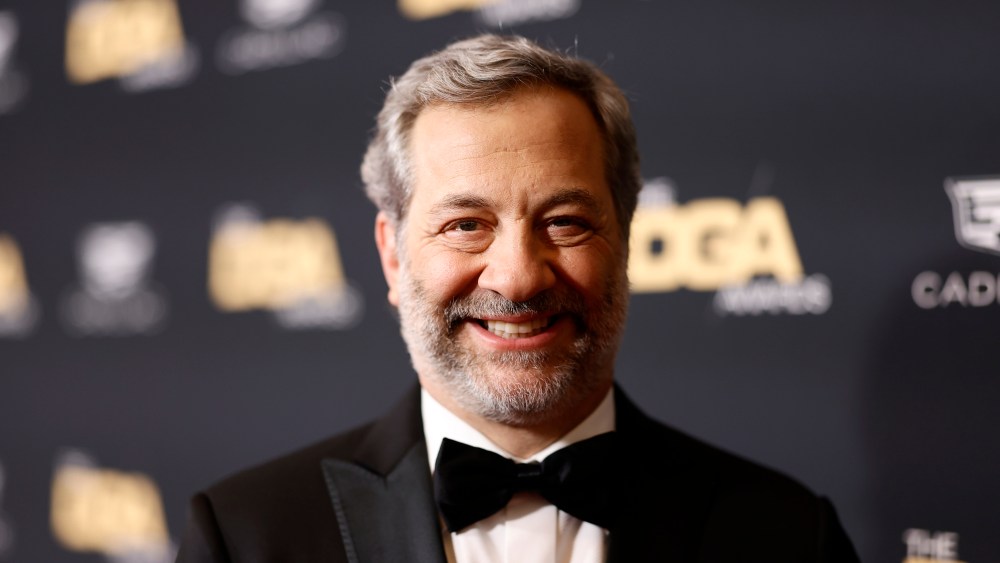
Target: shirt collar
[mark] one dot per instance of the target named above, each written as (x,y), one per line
(441,423)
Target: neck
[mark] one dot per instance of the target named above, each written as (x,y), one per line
(523,441)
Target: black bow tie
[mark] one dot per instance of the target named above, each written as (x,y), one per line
(471,483)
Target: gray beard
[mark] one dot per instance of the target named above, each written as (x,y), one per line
(517,388)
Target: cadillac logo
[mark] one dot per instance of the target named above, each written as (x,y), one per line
(976,203)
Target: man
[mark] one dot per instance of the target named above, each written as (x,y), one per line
(506,176)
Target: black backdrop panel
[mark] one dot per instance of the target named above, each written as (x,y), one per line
(188,282)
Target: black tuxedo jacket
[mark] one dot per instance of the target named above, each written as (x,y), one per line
(366,496)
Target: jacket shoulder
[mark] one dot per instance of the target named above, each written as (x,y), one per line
(279,510)
(668,451)
(738,509)
(724,469)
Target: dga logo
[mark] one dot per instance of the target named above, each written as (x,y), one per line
(746,253)
(140,42)
(18,308)
(115,296)
(426,9)
(289,267)
(13,84)
(280,33)
(923,546)
(497,13)
(117,514)
(6,531)
(976,208)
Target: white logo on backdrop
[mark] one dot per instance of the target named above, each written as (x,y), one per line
(280,33)
(115,296)
(168,72)
(13,84)
(924,546)
(976,204)
(270,14)
(513,12)
(976,210)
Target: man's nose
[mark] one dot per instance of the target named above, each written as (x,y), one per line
(518,267)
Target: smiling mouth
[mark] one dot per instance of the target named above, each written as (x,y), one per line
(516,330)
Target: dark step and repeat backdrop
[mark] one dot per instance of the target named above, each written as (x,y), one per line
(188,282)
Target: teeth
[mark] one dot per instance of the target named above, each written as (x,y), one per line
(517,330)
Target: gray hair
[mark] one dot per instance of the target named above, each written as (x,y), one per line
(485,70)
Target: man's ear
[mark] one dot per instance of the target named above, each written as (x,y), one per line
(385,240)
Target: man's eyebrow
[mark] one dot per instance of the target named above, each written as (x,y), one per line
(573,196)
(565,196)
(459,201)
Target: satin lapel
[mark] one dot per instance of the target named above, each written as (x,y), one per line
(662,503)
(383,499)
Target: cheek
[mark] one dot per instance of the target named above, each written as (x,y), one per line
(588,272)
(445,274)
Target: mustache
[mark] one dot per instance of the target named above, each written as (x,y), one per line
(491,304)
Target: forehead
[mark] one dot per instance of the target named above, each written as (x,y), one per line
(536,139)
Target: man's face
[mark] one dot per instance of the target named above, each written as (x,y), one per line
(510,272)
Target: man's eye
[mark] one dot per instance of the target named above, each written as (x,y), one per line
(569,223)
(567,230)
(465,226)
(467,235)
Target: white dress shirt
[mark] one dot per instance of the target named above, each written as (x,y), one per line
(529,529)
